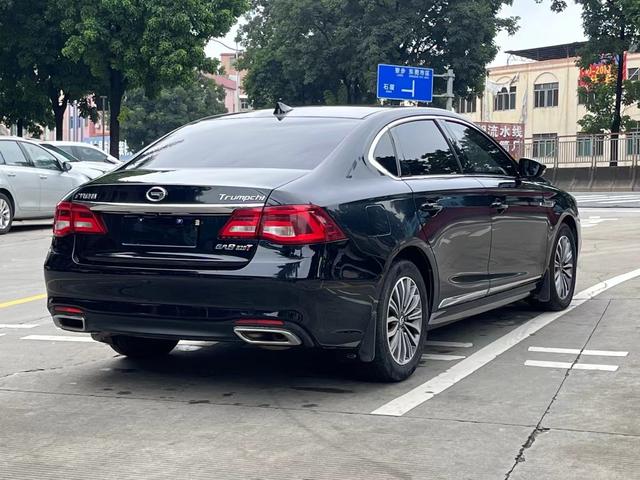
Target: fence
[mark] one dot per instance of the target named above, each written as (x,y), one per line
(583,151)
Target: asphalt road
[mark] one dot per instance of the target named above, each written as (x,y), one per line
(514,393)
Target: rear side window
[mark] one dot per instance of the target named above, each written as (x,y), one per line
(89,154)
(479,153)
(424,150)
(293,143)
(13,155)
(385,154)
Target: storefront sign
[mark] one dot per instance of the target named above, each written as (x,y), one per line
(509,135)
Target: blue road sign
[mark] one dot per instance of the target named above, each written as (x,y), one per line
(399,82)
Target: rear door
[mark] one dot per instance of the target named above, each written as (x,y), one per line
(452,208)
(22,177)
(520,226)
(54,182)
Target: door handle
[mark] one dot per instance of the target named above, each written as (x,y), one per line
(499,206)
(431,207)
(11,174)
(43,177)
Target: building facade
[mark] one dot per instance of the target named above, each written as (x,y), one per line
(541,92)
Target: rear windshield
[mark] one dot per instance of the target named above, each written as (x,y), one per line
(296,143)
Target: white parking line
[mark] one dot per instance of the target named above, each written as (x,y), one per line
(437,343)
(19,325)
(438,356)
(420,394)
(57,338)
(622,200)
(576,351)
(2,334)
(569,365)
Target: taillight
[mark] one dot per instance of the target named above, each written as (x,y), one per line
(76,218)
(244,223)
(288,224)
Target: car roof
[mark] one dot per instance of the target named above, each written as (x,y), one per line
(352,112)
(66,142)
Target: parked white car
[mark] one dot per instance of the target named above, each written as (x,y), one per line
(85,152)
(91,169)
(32,181)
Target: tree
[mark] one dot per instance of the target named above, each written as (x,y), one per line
(38,79)
(145,119)
(326,51)
(612,28)
(143,43)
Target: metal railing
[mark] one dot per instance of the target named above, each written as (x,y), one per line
(583,151)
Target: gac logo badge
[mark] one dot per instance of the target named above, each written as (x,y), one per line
(156,194)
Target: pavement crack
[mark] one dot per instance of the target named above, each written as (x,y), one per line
(520,457)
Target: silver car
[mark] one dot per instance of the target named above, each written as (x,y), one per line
(32,181)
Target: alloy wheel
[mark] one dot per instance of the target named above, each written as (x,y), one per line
(5,214)
(404,320)
(563,267)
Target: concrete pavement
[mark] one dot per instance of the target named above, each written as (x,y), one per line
(74,409)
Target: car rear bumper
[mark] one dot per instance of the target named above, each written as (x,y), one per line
(207,305)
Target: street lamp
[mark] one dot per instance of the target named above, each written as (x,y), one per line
(235,51)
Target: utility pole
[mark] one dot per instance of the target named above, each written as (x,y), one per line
(104,99)
(449,95)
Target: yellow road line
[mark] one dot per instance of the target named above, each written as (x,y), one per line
(20,301)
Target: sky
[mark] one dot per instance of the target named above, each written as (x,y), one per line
(539,27)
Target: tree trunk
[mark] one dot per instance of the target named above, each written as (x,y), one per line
(116,92)
(19,127)
(59,107)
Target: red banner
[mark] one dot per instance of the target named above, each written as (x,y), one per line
(509,135)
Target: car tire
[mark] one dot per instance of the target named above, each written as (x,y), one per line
(6,214)
(139,347)
(561,271)
(397,356)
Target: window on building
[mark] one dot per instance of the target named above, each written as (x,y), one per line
(467,104)
(584,96)
(546,95)
(424,150)
(589,145)
(505,99)
(633,73)
(633,142)
(545,144)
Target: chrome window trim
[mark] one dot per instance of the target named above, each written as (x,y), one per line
(374,143)
(414,118)
(180,208)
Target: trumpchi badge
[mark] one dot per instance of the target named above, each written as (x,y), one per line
(156,194)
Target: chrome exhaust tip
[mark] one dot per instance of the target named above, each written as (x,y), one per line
(69,322)
(276,337)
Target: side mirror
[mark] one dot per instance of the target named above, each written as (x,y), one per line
(530,169)
(66,166)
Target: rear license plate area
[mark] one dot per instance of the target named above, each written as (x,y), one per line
(159,231)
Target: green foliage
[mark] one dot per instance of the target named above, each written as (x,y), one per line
(612,27)
(35,78)
(144,119)
(600,104)
(326,51)
(143,43)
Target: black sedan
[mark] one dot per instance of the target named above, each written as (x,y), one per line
(353,228)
